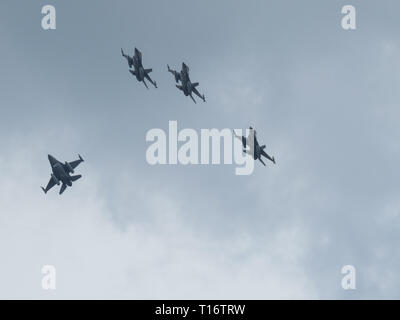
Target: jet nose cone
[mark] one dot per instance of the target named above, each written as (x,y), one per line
(51,158)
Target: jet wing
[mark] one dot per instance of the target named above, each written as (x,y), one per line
(76,163)
(50,185)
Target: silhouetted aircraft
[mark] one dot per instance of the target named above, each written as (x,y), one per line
(61,173)
(186,85)
(139,71)
(255,150)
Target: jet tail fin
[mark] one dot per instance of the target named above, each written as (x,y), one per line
(80,158)
(44,190)
(195,84)
(262,162)
(148,70)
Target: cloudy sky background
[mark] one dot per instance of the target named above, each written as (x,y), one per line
(325,102)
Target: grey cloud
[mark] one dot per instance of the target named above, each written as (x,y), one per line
(323,100)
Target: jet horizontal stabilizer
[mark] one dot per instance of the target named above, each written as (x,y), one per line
(74,178)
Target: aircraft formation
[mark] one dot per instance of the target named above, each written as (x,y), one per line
(187,86)
(61,172)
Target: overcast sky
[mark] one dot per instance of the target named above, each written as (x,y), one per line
(325,101)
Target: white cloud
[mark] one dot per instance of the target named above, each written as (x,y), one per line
(159,257)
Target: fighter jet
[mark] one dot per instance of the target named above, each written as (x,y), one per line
(255,150)
(186,85)
(139,71)
(61,173)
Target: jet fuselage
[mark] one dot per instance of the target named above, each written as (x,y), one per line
(139,70)
(60,173)
(257,150)
(186,83)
